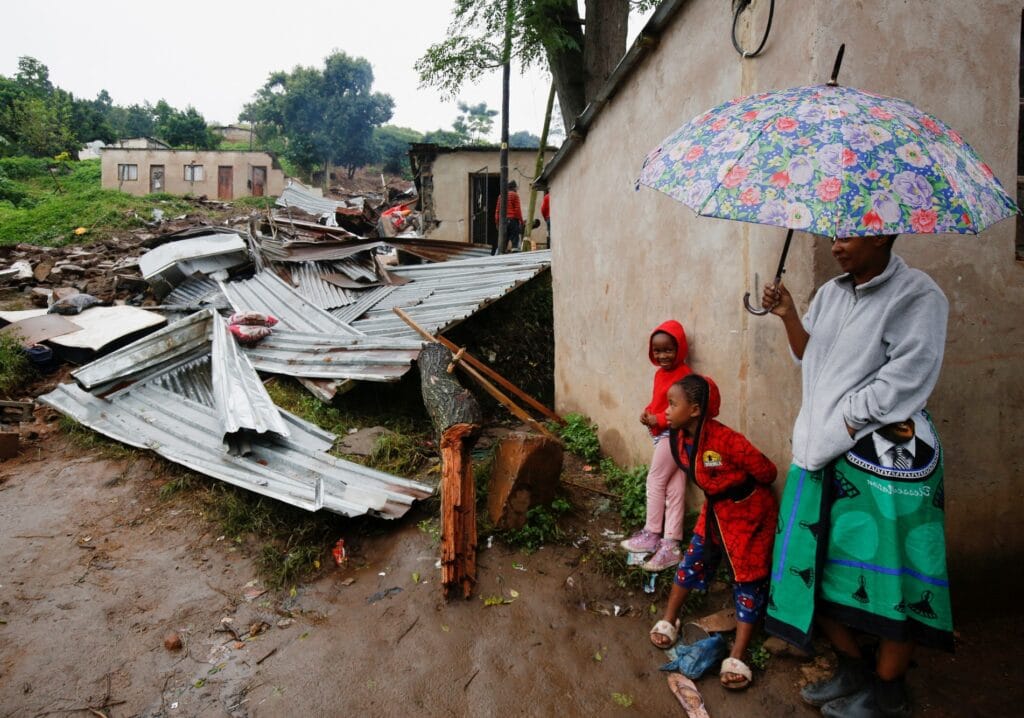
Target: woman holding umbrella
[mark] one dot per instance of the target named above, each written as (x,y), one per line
(860,541)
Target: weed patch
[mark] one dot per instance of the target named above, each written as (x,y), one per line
(15,368)
(398,454)
(85,438)
(580,437)
(631,486)
(541,526)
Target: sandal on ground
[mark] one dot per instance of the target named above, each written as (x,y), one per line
(736,667)
(687,694)
(666,629)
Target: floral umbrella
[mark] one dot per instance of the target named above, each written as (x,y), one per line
(830,160)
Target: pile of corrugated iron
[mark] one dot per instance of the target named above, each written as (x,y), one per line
(189,392)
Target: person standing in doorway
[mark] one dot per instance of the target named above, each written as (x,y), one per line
(860,544)
(513,218)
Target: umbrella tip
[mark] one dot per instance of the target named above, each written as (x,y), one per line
(835,68)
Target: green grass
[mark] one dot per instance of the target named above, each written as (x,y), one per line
(15,368)
(631,486)
(85,438)
(55,205)
(580,436)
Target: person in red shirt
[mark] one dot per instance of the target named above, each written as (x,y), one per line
(513,218)
(666,483)
(545,212)
(737,521)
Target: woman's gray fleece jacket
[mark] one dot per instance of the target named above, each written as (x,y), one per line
(873,358)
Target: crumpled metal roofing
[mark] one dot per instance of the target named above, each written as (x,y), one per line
(196,293)
(307,280)
(322,356)
(241,400)
(269,294)
(292,196)
(439,296)
(185,432)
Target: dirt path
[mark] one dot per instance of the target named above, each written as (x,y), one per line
(95,569)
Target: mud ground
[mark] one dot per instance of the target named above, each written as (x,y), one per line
(96,569)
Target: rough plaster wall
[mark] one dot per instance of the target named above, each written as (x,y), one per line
(451,189)
(626,260)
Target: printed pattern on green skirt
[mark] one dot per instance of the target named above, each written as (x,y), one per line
(865,545)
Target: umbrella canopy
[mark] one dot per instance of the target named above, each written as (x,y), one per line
(831,160)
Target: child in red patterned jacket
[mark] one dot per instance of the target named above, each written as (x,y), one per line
(737,521)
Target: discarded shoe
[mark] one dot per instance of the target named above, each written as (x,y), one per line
(667,556)
(688,696)
(643,541)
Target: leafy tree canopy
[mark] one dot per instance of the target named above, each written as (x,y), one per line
(325,116)
(392,145)
(523,139)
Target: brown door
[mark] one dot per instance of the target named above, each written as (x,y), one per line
(156,178)
(225,182)
(259,180)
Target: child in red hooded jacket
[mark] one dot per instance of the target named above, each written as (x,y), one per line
(737,521)
(666,483)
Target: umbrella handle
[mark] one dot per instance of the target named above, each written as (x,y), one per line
(760,311)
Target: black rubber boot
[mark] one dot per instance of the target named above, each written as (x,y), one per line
(877,699)
(851,675)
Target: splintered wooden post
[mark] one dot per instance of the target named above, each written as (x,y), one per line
(456,416)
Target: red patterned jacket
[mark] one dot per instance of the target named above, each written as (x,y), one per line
(734,476)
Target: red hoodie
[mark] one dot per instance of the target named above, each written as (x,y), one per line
(664,378)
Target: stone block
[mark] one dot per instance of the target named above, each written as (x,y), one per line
(525,473)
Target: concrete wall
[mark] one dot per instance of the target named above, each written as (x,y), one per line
(451,171)
(626,260)
(174,162)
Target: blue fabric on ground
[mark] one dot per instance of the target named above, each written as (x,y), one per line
(694,660)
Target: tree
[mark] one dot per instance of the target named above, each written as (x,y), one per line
(184,129)
(547,32)
(393,147)
(475,121)
(325,116)
(446,138)
(523,139)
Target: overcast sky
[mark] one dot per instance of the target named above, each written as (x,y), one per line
(214,54)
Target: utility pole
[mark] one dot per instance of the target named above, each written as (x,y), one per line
(539,166)
(503,157)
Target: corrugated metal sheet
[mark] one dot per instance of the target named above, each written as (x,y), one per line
(293,196)
(282,249)
(185,432)
(195,293)
(367,299)
(439,296)
(269,294)
(194,381)
(333,357)
(306,280)
(171,345)
(241,401)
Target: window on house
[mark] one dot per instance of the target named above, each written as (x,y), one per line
(193,173)
(127,173)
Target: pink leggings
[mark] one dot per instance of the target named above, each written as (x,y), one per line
(666,491)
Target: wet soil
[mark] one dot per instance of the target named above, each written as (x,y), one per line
(96,569)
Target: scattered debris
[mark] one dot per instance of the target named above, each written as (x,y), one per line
(172,641)
(386,593)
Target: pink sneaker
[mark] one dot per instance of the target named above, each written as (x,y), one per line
(642,541)
(667,556)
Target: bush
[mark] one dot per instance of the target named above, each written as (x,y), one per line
(541,526)
(631,485)
(15,368)
(9,191)
(21,168)
(580,437)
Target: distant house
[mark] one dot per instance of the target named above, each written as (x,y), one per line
(234,133)
(92,150)
(221,174)
(458,188)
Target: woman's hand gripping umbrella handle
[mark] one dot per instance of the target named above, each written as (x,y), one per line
(766,309)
